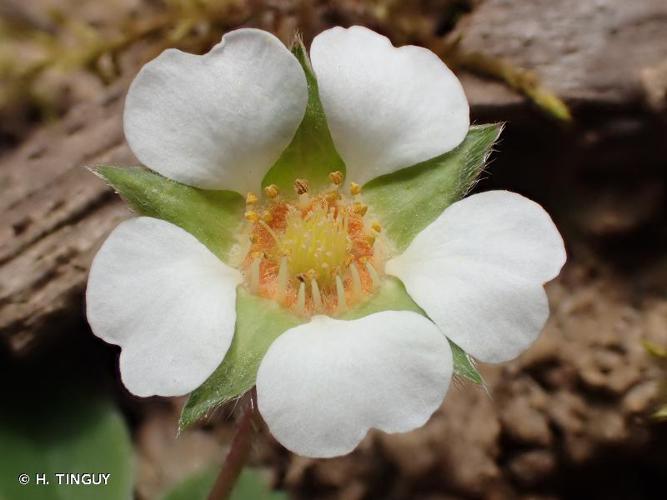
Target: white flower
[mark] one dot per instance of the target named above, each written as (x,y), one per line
(220,121)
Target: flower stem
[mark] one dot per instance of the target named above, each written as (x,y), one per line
(239,452)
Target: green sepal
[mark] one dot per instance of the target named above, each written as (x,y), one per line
(259,322)
(213,217)
(311,155)
(464,365)
(407,201)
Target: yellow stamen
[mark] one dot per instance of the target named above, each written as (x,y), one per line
(336,177)
(271,232)
(271,191)
(301,298)
(340,294)
(355,188)
(356,279)
(317,296)
(360,209)
(332,196)
(312,254)
(254,274)
(374,275)
(282,276)
(251,199)
(252,216)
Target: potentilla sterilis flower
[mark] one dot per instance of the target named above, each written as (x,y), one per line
(220,121)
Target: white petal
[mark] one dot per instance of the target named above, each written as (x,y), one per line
(478,272)
(387,107)
(322,385)
(161,295)
(219,120)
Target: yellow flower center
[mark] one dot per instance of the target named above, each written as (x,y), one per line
(315,254)
(315,243)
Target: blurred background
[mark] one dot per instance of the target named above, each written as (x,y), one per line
(582,85)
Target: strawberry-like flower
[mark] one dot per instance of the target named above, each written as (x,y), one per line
(335,277)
